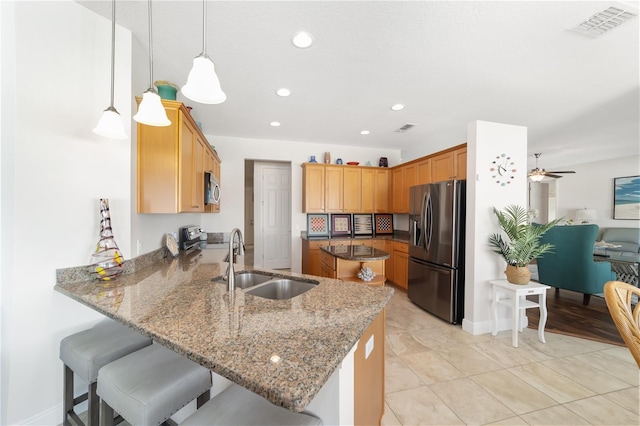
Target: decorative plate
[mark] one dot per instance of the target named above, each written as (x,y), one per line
(353,163)
(384,224)
(172,245)
(340,224)
(318,225)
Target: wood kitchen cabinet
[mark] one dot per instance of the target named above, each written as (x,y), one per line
(171,163)
(449,165)
(212,164)
(404,177)
(333,189)
(401,264)
(353,189)
(369,374)
(311,263)
(313,188)
(344,189)
(424,171)
(388,247)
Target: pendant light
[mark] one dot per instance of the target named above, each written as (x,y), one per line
(150,111)
(203,85)
(110,123)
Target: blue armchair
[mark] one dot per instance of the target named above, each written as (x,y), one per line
(571,266)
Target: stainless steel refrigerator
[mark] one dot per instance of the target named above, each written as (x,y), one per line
(436,248)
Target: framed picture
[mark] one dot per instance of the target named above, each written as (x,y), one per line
(362,224)
(318,225)
(384,224)
(340,225)
(626,197)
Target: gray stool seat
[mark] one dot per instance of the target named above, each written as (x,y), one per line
(150,385)
(85,352)
(238,406)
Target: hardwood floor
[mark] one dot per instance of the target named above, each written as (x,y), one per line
(567,315)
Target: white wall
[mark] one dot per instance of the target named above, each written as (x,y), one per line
(233,152)
(486,141)
(54,170)
(592,187)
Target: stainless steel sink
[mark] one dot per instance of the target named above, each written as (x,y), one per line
(281,288)
(248,279)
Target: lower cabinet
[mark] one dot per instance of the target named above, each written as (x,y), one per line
(369,374)
(311,257)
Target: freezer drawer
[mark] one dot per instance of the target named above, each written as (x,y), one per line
(435,289)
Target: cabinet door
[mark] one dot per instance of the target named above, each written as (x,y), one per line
(368,378)
(460,163)
(313,188)
(442,167)
(368,198)
(424,171)
(410,179)
(381,191)
(401,268)
(389,262)
(333,189)
(186,178)
(352,189)
(199,151)
(398,189)
(158,166)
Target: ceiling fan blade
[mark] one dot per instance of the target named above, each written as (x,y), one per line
(566,171)
(549,174)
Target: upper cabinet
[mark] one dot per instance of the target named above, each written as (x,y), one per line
(404,177)
(171,164)
(344,189)
(449,165)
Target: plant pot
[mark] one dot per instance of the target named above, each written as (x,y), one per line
(518,274)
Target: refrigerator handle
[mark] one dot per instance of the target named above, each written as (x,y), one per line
(428,221)
(421,240)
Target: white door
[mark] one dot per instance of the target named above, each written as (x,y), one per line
(272,235)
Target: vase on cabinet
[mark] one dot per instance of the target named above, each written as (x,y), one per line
(106,260)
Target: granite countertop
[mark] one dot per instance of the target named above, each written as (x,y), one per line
(176,302)
(356,253)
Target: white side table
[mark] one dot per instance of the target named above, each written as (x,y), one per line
(518,302)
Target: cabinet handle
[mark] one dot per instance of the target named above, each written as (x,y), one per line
(195,207)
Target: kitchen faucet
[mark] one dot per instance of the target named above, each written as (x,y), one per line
(231,278)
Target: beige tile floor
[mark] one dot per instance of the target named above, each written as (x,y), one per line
(437,374)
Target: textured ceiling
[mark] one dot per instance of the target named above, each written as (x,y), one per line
(449,62)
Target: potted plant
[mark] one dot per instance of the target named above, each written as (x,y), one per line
(522,244)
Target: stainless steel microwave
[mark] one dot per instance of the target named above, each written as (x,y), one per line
(211,189)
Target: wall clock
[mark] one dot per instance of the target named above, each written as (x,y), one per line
(503,169)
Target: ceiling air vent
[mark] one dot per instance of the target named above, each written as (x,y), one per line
(605,21)
(405,128)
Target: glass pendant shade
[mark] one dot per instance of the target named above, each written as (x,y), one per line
(203,85)
(151,111)
(536,177)
(110,125)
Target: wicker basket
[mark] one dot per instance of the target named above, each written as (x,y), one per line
(518,274)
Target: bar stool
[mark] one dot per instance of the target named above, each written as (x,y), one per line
(149,386)
(83,353)
(238,406)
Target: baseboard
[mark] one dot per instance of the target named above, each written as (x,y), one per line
(50,416)
(484,327)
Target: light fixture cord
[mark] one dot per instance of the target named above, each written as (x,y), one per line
(204,27)
(113,46)
(150,48)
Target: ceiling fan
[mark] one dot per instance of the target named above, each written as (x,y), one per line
(538,174)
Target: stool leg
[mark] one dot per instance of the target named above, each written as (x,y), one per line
(67,397)
(106,414)
(94,405)
(202,399)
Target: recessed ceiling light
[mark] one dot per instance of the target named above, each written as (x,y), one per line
(397,107)
(365,132)
(275,124)
(283,92)
(302,40)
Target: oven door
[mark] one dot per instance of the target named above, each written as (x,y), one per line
(211,189)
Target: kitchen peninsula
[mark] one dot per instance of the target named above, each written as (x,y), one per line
(306,353)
